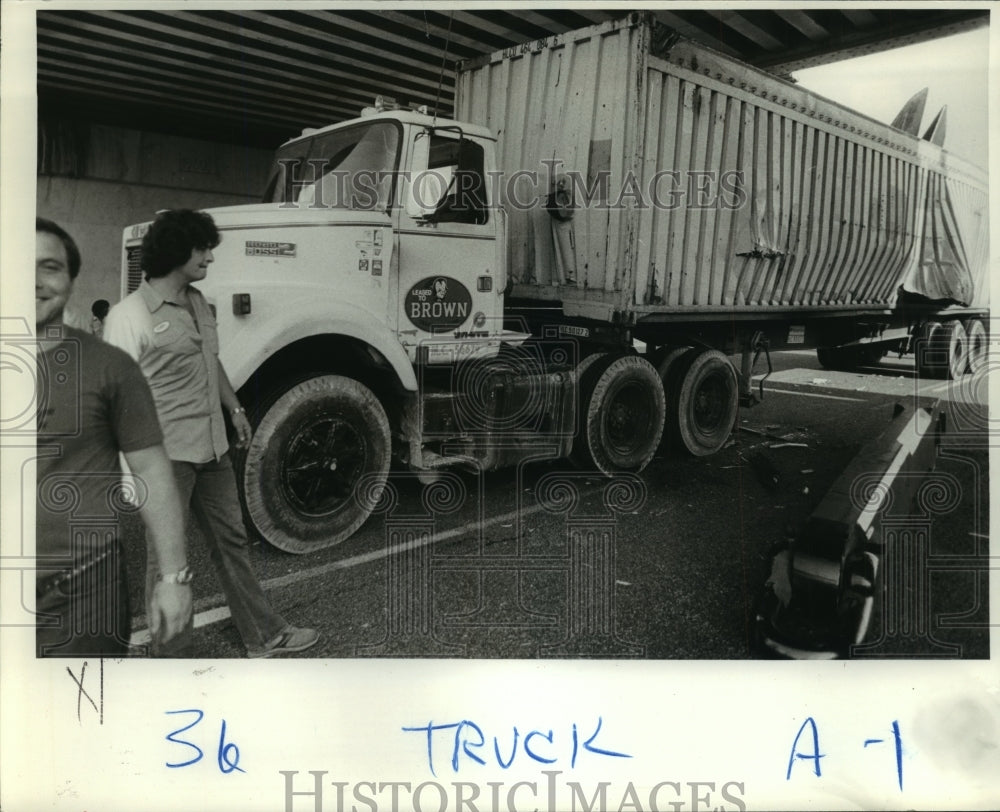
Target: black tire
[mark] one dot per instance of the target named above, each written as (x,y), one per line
(578,455)
(978,342)
(622,406)
(836,358)
(703,399)
(950,350)
(665,360)
(311,448)
(873,354)
(849,358)
(927,363)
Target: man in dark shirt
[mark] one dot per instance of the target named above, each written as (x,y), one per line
(93,403)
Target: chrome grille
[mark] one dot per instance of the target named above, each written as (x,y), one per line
(133,267)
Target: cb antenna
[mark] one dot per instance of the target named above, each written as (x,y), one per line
(444,59)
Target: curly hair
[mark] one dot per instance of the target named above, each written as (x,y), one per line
(173,236)
(73,260)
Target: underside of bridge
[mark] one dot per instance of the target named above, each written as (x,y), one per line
(256,77)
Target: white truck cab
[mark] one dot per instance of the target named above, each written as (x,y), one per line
(436,242)
(348,305)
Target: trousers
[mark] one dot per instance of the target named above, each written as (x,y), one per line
(209,490)
(84,611)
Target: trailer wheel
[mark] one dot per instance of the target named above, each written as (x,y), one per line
(622,406)
(949,350)
(925,354)
(311,449)
(978,343)
(847,359)
(839,358)
(703,399)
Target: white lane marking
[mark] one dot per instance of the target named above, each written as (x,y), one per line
(215,615)
(909,440)
(811,394)
(141,637)
(941,387)
(979,535)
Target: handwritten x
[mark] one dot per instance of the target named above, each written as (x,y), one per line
(83,693)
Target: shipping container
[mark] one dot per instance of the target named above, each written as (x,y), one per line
(703,185)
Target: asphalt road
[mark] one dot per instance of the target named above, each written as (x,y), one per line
(547,561)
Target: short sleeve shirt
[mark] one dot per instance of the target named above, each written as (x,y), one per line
(178,355)
(93,403)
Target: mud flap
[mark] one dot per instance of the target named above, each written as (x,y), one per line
(820,598)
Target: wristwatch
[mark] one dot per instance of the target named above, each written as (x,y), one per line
(184,576)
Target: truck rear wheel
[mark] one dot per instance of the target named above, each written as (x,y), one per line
(703,399)
(665,359)
(311,449)
(622,406)
(978,343)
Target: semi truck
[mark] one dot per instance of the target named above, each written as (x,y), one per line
(588,261)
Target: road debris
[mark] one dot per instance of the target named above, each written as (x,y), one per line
(760,433)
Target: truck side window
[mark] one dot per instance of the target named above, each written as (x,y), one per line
(462,161)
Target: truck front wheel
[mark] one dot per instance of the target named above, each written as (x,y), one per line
(316,464)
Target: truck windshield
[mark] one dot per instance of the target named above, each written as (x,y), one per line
(343,169)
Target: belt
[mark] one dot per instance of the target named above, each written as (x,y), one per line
(50,582)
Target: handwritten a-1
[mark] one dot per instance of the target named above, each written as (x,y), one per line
(227,755)
(805,747)
(465,741)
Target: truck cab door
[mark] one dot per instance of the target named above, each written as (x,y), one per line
(450,301)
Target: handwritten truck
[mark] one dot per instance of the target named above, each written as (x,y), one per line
(565,269)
